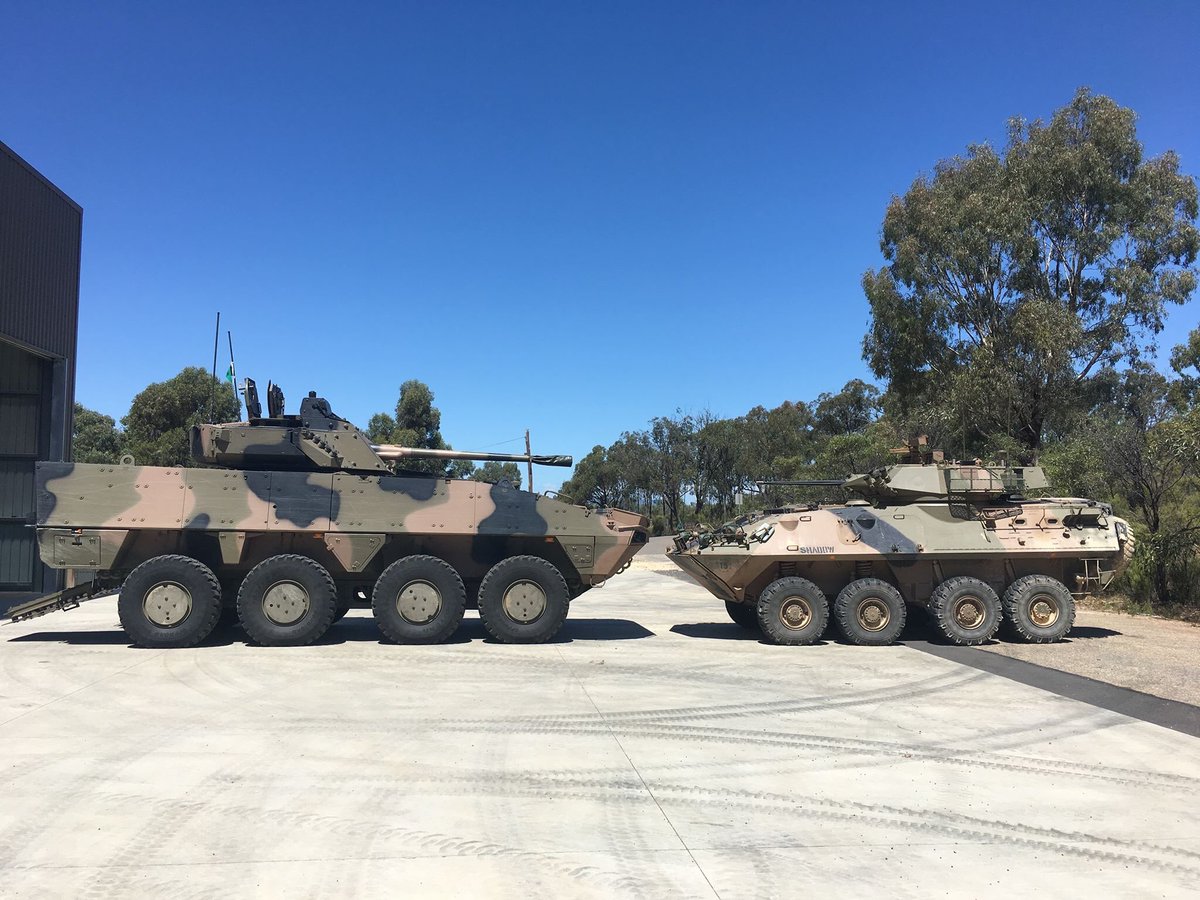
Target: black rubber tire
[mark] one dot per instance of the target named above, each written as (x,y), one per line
(855,602)
(506,574)
(746,616)
(1017,604)
(302,571)
(781,600)
(202,587)
(392,583)
(945,601)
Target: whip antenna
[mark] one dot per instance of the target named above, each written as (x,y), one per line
(233,380)
(212,397)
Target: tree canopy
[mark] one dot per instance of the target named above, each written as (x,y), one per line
(158,424)
(417,423)
(94,438)
(494,472)
(697,467)
(1013,280)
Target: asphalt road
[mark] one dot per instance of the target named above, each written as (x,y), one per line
(654,750)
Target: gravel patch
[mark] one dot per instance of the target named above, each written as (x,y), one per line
(1143,653)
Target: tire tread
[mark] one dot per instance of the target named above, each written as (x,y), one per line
(843,613)
(497,625)
(211,617)
(1014,626)
(251,626)
(941,596)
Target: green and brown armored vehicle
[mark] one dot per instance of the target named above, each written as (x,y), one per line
(289,519)
(961,540)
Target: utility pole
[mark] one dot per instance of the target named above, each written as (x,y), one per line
(529,461)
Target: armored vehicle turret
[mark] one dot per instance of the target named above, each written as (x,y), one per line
(291,519)
(962,540)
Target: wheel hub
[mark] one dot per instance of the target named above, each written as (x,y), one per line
(795,613)
(1043,611)
(167,604)
(969,612)
(418,602)
(285,602)
(873,615)
(524,602)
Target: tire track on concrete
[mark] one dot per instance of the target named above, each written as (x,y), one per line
(950,825)
(51,805)
(649,717)
(590,725)
(768,707)
(572,786)
(953,756)
(426,844)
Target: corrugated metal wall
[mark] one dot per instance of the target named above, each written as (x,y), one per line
(25,389)
(40,230)
(40,234)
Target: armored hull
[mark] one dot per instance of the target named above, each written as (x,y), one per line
(313,519)
(960,541)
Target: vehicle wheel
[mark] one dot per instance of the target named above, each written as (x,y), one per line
(967,610)
(287,601)
(870,612)
(170,601)
(792,611)
(746,616)
(523,600)
(1038,609)
(419,600)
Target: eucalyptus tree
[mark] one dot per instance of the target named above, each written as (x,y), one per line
(158,424)
(1012,279)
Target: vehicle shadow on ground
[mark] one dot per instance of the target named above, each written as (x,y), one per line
(93,638)
(728,631)
(1088,632)
(717,631)
(359,629)
(572,630)
(363,628)
(221,637)
(919,628)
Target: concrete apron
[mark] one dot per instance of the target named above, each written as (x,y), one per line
(655,749)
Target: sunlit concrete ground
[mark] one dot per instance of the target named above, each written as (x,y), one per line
(654,750)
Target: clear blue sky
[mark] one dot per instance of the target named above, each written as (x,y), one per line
(564,216)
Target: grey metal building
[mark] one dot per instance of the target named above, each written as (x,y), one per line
(40,233)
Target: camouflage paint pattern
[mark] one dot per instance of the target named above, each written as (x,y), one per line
(314,485)
(921,525)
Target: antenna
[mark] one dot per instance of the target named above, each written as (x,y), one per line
(212,398)
(233,378)
(529,462)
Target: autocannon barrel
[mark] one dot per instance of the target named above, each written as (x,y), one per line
(394,451)
(811,482)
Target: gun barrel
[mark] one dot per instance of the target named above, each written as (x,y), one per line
(817,482)
(395,451)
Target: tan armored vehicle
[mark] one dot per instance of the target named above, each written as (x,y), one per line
(293,517)
(960,540)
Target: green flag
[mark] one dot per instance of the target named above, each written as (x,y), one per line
(229,374)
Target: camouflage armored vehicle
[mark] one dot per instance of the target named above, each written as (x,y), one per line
(960,540)
(292,518)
